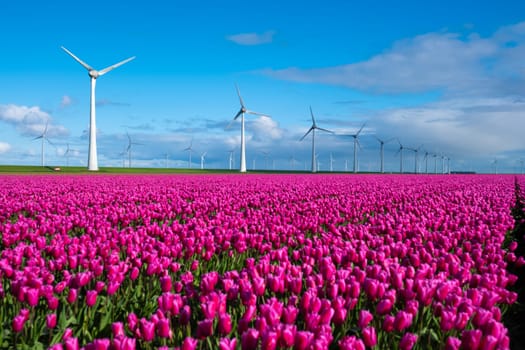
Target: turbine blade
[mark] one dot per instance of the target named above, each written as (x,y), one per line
(110,68)
(309,130)
(312,115)
(257,113)
(239,94)
(360,129)
(238,114)
(38,137)
(325,130)
(84,64)
(230,123)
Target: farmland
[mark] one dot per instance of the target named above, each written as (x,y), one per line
(257,261)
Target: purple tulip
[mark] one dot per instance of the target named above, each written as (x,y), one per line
(351,343)
(452,343)
(204,328)
(71,343)
(249,339)
(369,336)
(408,341)
(165,284)
(364,318)
(227,344)
(51,321)
(471,339)
(189,343)
(224,326)
(91,298)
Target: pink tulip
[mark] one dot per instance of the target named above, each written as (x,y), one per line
(132,321)
(452,343)
(384,306)
(408,341)
(402,320)
(369,336)
(227,344)
(165,284)
(147,329)
(249,339)
(163,328)
(71,343)
(269,340)
(364,318)
(91,298)
(117,329)
(471,339)
(189,343)
(351,343)
(204,328)
(224,325)
(72,296)
(303,339)
(51,321)
(18,323)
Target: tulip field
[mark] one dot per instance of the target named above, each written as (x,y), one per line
(257,261)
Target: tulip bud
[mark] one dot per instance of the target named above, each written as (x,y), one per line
(51,321)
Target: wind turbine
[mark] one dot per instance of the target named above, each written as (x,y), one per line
(416,150)
(400,151)
(241,113)
(426,161)
(382,152)
(128,149)
(203,155)
(166,155)
(94,74)
(44,138)
(67,152)
(266,155)
(331,162)
(190,150)
(521,168)
(356,143)
(231,158)
(495,162)
(435,163)
(312,129)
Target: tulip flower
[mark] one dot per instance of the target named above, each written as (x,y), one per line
(408,341)
(249,339)
(369,336)
(224,325)
(364,318)
(227,344)
(51,321)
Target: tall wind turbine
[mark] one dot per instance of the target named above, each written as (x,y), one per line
(241,114)
(426,161)
(400,151)
(203,155)
(94,74)
(190,151)
(356,143)
(382,152)
(331,162)
(128,149)
(44,138)
(312,130)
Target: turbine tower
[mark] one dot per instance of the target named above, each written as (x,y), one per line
(382,152)
(203,155)
(94,74)
(331,162)
(190,150)
(44,138)
(426,161)
(416,150)
(312,129)
(266,156)
(241,114)
(400,151)
(67,153)
(356,143)
(230,160)
(166,155)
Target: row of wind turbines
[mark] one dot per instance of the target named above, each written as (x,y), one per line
(92,153)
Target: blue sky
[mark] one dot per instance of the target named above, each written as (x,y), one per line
(447,75)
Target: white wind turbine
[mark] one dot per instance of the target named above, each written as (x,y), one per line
(128,149)
(230,159)
(203,155)
(312,130)
(94,74)
(166,156)
(67,153)
(241,114)
(356,144)
(44,138)
(190,151)
(416,159)
(331,162)
(400,151)
(382,151)
(266,156)
(427,153)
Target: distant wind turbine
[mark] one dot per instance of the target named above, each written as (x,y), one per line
(331,162)
(241,114)
(312,130)
(128,149)
(416,150)
(426,161)
(382,151)
(190,151)
(521,166)
(231,158)
(266,156)
(400,151)
(44,138)
(94,74)
(356,144)
(203,155)
(495,162)
(67,153)
(166,155)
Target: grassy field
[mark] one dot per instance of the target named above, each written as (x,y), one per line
(35,169)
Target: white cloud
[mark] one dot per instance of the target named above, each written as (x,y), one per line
(445,61)
(4,147)
(264,128)
(30,121)
(252,38)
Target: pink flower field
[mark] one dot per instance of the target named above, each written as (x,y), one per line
(256,261)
